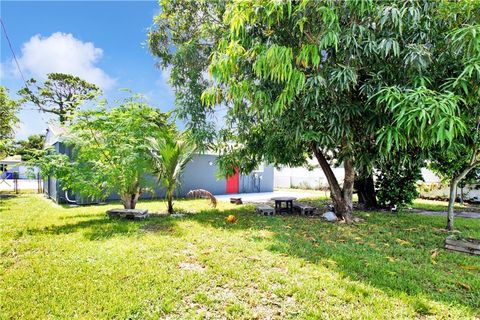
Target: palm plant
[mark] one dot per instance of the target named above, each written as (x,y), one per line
(171,153)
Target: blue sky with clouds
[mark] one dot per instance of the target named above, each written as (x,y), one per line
(102,42)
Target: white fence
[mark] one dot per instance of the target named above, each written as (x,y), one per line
(22,184)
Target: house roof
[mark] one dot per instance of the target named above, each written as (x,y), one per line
(55,133)
(11,160)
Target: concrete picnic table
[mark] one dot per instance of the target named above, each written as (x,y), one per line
(288,208)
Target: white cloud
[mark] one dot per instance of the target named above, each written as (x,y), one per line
(164,78)
(63,53)
(163,92)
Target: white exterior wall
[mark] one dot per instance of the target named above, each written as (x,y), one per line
(434,189)
(469,193)
(303,178)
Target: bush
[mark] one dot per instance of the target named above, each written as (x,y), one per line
(397,183)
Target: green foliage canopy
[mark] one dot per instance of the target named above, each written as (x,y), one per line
(110,151)
(183,37)
(8,120)
(60,94)
(30,149)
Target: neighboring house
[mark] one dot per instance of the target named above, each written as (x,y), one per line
(200,173)
(13,165)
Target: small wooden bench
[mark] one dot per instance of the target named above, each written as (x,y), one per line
(265,210)
(236,200)
(303,208)
(134,214)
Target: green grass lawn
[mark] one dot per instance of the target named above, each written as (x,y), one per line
(435,205)
(60,262)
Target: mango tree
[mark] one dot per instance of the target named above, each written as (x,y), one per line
(442,114)
(298,78)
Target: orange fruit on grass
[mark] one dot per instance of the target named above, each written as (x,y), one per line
(231,218)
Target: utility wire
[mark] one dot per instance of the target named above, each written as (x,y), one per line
(18,65)
(13,52)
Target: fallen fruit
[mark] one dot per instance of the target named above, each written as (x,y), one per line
(231,219)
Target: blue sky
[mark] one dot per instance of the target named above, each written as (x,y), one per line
(103,42)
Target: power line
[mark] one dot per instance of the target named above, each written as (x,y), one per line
(40,109)
(13,52)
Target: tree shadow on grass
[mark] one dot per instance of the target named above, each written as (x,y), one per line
(82,215)
(117,202)
(390,252)
(5,196)
(101,228)
(76,206)
(97,226)
(399,254)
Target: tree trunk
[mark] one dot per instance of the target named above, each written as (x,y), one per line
(366,192)
(342,199)
(453,193)
(129,201)
(451,204)
(170,202)
(348,181)
(461,195)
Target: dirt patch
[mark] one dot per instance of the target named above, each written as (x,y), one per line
(191,266)
(156,228)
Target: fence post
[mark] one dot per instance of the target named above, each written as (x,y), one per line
(39,183)
(15,182)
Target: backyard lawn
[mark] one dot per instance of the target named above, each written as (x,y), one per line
(434,205)
(62,262)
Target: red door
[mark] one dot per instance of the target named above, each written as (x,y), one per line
(232,183)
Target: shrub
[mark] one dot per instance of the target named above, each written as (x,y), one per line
(397,183)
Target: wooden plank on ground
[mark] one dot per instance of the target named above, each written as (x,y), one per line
(468,245)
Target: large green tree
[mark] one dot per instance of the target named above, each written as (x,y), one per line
(306,77)
(300,77)
(60,94)
(8,120)
(183,37)
(442,113)
(109,151)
